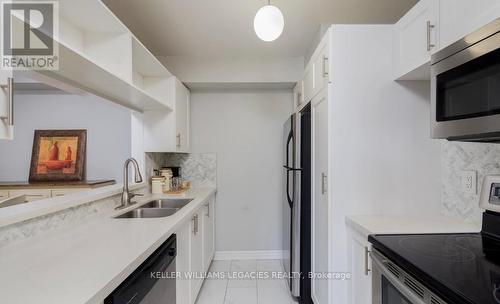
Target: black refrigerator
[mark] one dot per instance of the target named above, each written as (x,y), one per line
(297,203)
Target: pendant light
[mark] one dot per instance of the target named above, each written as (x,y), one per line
(268,22)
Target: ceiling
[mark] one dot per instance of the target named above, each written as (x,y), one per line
(224,28)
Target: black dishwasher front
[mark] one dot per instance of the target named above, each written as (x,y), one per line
(152,282)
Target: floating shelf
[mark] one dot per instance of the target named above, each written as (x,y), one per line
(98,54)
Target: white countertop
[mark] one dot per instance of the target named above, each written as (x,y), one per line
(85,263)
(408,224)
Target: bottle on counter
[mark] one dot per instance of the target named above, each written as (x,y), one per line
(157,183)
(167,174)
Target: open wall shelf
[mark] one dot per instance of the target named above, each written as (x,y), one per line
(98,54)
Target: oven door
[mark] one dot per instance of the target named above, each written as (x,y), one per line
(465,86)
(391,285)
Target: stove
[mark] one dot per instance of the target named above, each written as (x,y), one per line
(441,268)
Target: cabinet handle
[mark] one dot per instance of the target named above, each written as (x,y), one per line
(195,224)
(323,182)
(430,45)
(367,257)
(9,87)
(178,139)
(325,69)
(208,210)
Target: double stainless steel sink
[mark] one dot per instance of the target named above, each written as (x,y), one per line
(156,208)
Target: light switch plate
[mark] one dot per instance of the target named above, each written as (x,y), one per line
(469,182)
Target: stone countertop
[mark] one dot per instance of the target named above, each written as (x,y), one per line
(408,224)
(86,263)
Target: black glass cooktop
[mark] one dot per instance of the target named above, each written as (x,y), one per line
(460,268)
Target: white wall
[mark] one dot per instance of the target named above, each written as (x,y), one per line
(108,133)
(244,128)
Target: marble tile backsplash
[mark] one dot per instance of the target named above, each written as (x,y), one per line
(199,168)
(457,157)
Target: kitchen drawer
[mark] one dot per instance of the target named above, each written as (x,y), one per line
(31,194)
(63,192)
(4,194)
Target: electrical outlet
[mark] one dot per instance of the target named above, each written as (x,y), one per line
(469,182)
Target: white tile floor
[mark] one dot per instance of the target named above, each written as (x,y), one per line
(243,291)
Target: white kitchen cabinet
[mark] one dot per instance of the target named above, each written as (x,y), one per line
(4,194)
(316,75)
(208,232)
(182,117)
(196,253)
(308,83)
(360,285)
(320,63)
(320,201)
(458,18)
(169,131)
(298,96)
(31,194)
(416,38)
(6,105)
(63,192)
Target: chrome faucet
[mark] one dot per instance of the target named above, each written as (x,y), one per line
(126,194)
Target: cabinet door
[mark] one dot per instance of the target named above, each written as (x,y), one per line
(360,285)
(308,83)
(196,253)
(416,36)
(182,103)
(31,194)
(458,18)
(183,263)
(320,208)
(208,233)
(63,192)
(297,95)
(4,194)
(6,105)
(321,67)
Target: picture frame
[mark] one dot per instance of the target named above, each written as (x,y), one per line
(58,156)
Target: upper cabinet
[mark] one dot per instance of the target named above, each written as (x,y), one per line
(166,130)
(316,75)
(459,18)
(432,25)
(416,38)
(6,105)
(298,97)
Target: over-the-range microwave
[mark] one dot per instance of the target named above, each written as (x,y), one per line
(465,86)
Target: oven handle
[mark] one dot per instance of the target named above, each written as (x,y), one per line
(379,262)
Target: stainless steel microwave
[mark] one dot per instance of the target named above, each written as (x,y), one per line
(465,86)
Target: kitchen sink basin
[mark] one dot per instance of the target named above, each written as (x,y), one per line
(148,213)
(167,203)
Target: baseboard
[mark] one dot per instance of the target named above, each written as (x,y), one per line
(249,255)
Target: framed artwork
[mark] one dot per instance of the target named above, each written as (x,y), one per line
(58,155)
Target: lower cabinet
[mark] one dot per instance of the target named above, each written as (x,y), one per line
(360,285)
(195,251)
(31,194)
(4,194)
(208,233)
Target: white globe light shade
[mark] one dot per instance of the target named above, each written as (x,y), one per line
(269,23)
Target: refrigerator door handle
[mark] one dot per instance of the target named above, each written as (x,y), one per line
(290,201)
